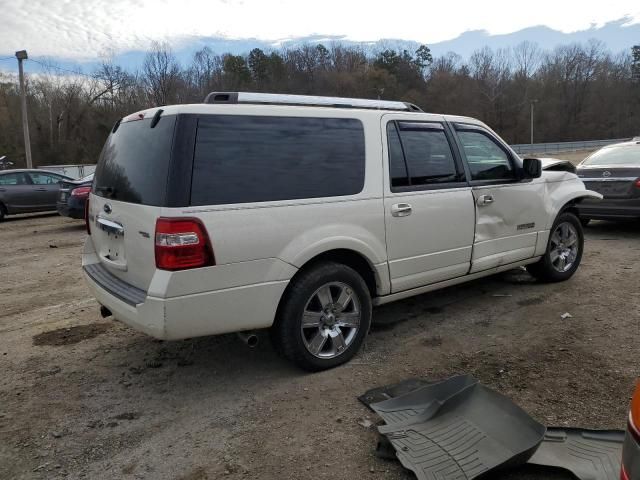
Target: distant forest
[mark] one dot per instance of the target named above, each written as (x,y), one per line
(579,91)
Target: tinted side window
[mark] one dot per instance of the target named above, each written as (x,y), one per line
(486,159)
(43,179)
(420,154)
(242,159)
(397,167)
(12,179)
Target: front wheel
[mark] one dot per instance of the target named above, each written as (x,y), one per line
(324,318)
(564,251)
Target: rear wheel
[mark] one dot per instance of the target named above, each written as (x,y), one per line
(3,212)
(564,251)
(324,318)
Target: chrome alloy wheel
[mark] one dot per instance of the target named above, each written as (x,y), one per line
(331,320)
(564,245)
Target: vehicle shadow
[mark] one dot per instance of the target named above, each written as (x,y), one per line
(611,230)
(28,216)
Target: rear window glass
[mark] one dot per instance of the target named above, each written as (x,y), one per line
(241,159)
(626,155)
(134,163)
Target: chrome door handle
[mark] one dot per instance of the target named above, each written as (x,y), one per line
(485,200)
(401,210)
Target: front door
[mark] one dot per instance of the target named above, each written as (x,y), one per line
(429,207)
(15,192)
(509,211)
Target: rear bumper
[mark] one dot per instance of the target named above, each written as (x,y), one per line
(186,316)
(609,208)
(73,208)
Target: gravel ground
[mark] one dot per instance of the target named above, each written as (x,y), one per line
(85,397)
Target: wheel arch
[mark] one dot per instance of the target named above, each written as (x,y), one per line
(351,258)
(568,202)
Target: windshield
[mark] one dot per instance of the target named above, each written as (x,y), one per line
(622,155)
(134,162)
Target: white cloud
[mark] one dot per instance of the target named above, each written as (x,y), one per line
(87,28)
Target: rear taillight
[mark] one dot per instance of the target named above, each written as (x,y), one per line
(182,243)
(623,474)
(86,216)
(81,191)
(637,183)
(634,414)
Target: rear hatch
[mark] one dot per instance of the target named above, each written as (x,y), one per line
(67,186)
(65,191)
(614,183)
(129,191)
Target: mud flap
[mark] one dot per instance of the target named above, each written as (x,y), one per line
(457,429)
(588,454)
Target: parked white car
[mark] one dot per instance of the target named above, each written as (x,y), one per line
(301,213)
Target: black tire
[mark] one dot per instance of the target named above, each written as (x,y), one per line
(3,212)
(287,332)
(584,221)
(544,270)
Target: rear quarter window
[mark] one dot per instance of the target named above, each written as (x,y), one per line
(134,163)
(243,159)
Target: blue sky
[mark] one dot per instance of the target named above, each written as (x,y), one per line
(87,29)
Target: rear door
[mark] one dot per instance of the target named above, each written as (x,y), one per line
(129,191)
(44,188)
(15,192)
(509,212)
(429,210)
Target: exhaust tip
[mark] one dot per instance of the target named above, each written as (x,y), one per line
(249,338)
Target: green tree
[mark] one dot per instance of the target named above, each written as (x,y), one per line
(236,71)
(423,58)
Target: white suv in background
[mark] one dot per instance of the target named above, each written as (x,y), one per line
(301,213)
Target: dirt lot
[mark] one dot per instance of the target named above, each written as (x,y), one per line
(84,397)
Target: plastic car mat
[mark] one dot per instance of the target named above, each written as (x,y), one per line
(588,454)
(421,404)
(381,394)
(458,429)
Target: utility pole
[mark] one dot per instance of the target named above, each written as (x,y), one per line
(22,55)
(532,103)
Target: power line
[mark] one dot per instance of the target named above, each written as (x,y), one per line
(60,68)
(7,58)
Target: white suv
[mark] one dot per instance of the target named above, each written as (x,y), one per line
(301,213)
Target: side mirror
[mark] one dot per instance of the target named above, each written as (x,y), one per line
(532,168)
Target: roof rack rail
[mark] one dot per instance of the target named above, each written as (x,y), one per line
(307,100)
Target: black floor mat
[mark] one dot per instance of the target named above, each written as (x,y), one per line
(588,454)
(421,404)
(381,394)
(457,429)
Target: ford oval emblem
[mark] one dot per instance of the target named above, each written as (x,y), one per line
(606,174)
(107,208)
